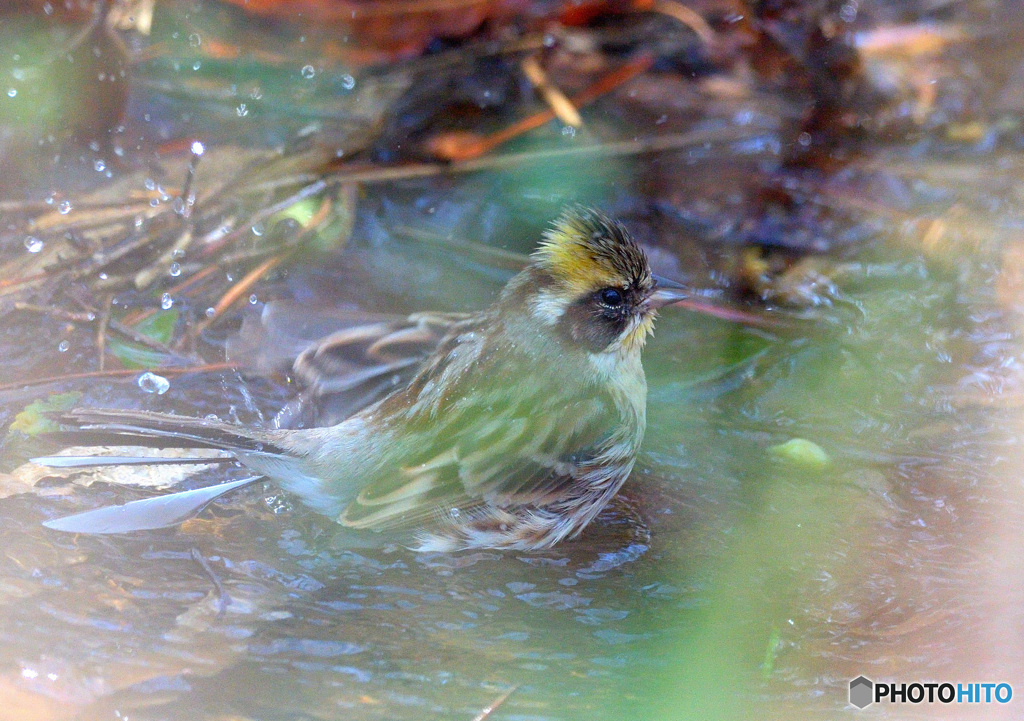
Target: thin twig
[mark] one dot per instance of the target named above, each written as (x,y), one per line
(222,596)
(42,206)
(101,329)
(187,197)
(239,289)
(58,313)
(310,190)
(120,373)
(55,222)
(140,338)
(486,712)
(132,243)
(497,257)
(688,17)
(145,277)
(643,146)
(250,279)
(733,315)
(409,7)
(467,146)
(560,105)
(136,317)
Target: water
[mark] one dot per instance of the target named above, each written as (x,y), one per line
(153,383)
(721,565)
(730,580)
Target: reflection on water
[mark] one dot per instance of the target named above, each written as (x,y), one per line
(732,578)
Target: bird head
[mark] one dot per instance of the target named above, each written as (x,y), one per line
(593,284)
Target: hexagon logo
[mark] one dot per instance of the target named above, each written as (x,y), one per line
(861,692)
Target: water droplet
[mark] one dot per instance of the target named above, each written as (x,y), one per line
(210,312)
(195,40)
(174,270)
(196,65)
(166,301)
(348,82)
(258,229)
(100,165)
(804,139)
(278,504)
(569,132)
(11,93)
(33,244)
(308,71)
(18,74)
(63,346)
(253,299)
(242,110)
(256,94)
(150,184)
(178,253)
(152,383)
(65,207)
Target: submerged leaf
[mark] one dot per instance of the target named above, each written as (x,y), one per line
(771,652)
(159,327)
(33,419)
(803,453)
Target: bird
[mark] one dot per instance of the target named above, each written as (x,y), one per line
(513,426)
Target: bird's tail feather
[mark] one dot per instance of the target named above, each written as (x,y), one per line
(180,431)
(100,461)
(258,449)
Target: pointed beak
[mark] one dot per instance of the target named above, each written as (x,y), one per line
(666,292)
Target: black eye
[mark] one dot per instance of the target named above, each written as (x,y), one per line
(611,297)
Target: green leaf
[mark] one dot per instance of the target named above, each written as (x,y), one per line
(771,653)
(159,327)
(803,453)
(33,419)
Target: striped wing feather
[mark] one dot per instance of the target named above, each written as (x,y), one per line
(508,458)
(353,368)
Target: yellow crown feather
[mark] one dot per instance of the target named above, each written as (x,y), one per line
(585,250)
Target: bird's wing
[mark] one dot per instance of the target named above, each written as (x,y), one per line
(526,453)
(353,368)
